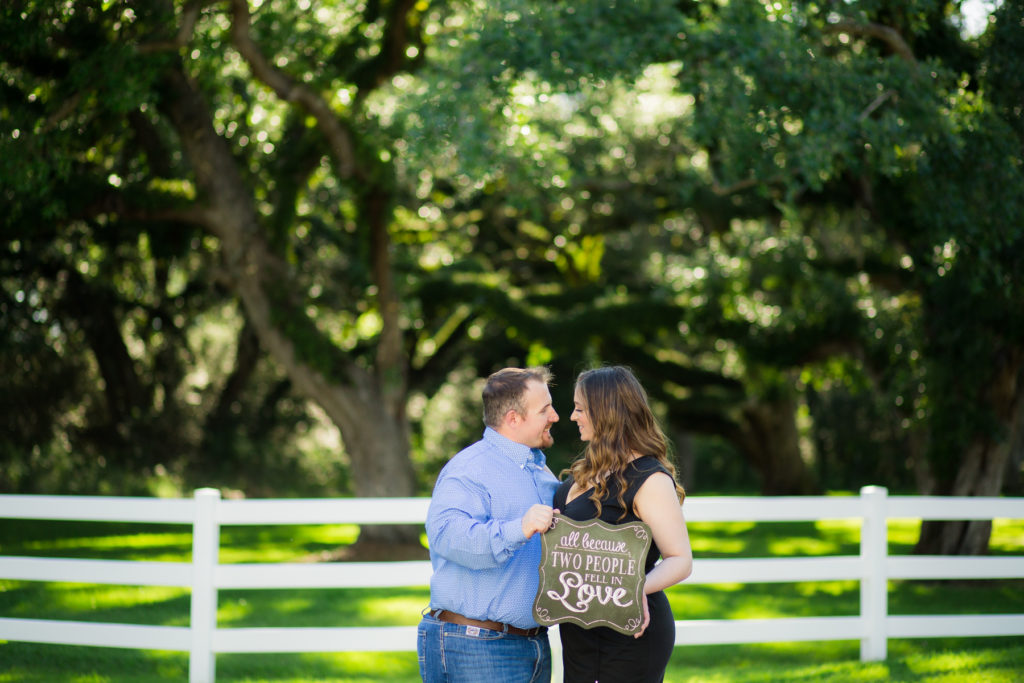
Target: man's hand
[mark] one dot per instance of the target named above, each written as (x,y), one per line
(537,519)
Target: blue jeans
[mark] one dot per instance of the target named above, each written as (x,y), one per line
(451,653)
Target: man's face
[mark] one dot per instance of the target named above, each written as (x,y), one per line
(534,428)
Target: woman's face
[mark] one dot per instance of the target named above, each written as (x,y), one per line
(580,416)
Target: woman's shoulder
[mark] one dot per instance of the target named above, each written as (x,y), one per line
(646,465)
(639,471)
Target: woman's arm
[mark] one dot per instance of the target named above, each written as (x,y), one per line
(657,505)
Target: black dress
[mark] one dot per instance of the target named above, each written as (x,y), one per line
(603,654)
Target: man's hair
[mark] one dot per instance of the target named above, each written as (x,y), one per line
(505,389)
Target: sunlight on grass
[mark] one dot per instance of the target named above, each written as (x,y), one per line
(692,604)
(725,587)
(829,588)
(768,607)
(386,663)
(90,597)
(837,537)
(902,534)
(766,539)
(323,607)
(293,605)
(229,611)
(721,529)
(337,667)
(847,529)
(171,543)
(979,665)
(283,543)
(267,554)
(839,662)
(405,610)
(832,598)
(719,538)
(771,662)
(718,546)
(950,661)
(803,546)
(1007,536)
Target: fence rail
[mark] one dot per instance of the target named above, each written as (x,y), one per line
(205,576)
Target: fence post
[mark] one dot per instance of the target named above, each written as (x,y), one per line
(202,663)
(557,669)
(874,585)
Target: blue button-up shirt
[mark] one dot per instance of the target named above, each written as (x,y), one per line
(484,567)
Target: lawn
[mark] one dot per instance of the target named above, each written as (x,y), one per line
(963,659)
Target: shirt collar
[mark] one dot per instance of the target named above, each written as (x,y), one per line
(518,453)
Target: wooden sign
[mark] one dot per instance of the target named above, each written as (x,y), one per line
(592,574)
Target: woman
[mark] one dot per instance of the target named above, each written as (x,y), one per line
(624,475)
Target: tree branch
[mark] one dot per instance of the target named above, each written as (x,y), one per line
(391,365)
(65,109)
(878,102)
(116,203)
(887,35)
(286,88)
(738,186)
(396,39)
(189,19)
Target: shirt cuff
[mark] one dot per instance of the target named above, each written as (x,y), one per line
(512,534)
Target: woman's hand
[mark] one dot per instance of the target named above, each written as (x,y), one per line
(647,619)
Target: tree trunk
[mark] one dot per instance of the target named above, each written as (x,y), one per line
(375,439)
(372,422)
(377,444)
(983,469)
(1014,486)
(94,310)
(771,442)
(686,461)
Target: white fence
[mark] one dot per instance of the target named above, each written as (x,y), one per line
(205,576)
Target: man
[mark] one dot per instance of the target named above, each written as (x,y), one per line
(490,503)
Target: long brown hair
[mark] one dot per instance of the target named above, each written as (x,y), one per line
(623,424)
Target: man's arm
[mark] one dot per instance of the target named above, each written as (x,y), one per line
(460,527)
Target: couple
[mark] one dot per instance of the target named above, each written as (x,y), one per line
(493,500)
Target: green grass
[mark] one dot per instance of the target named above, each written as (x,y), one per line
(962,659)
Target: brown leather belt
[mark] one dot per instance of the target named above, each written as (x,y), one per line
(453,618)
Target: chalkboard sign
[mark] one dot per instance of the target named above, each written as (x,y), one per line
(592,574)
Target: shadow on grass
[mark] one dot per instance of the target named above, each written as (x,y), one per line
(40,663)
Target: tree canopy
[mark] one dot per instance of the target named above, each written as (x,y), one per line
(233,229)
